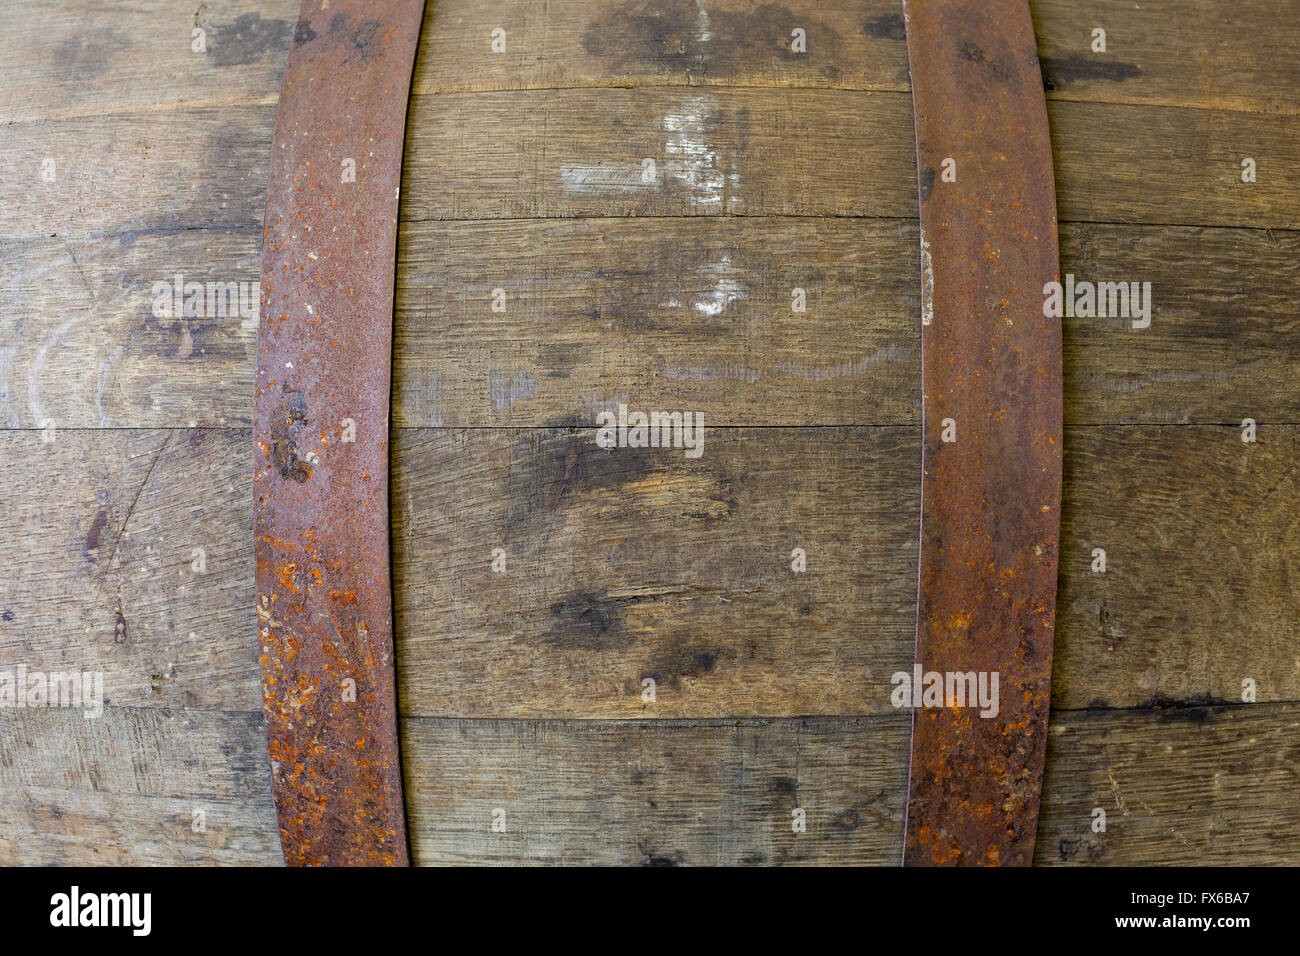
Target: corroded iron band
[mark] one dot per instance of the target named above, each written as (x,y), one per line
(320,426)
(991,397)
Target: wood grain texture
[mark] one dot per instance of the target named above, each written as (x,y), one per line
(566,153)
(137,173)
(1196,526)
(773,170)
(99,536)
(678,313)
(73,57)
(556,153)
(1199,786)
(1205,786)
(1167,52)
(135,787)
(722,792)
(643,563)
(695,314)
(83,348)
(1172,52)
(656,793)
(68,62)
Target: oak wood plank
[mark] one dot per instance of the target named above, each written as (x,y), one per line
(66,827)
(135,786)
(1201,54)
(90,57)
(1166,52)
(656,793)
(80,345)
(816,153)
(1200,589)
(100,531)
(682,313)
(548,153)
(1204,785)
(137,174)
(690,312)
(641,563)
(569,153)
(81,58)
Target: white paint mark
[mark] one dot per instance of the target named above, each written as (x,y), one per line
(596,404)
(594,179)
(702,33)
(822,373)
(734,199)
(710,373)
(506,389)
(691,159)
(728,287)
(927,282)
(38,362)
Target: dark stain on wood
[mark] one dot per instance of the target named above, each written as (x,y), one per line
(651,857)
(675,37)
(249,39)
(683,659)
(1060,71)
(565,469)
(1196,709)
(96,529)
(888,26)
(559,358)
(1089,847)
(88,54)
(588,622)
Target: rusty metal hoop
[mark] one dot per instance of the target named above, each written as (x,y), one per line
(320,425)
(992,430)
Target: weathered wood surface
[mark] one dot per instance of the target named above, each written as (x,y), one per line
(563,153)
(816,153)
(1200,786)
(523,173)
(672,313)
(1201,53)
(135,787)
(637,564)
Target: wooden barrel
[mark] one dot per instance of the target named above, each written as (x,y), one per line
(623,205)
